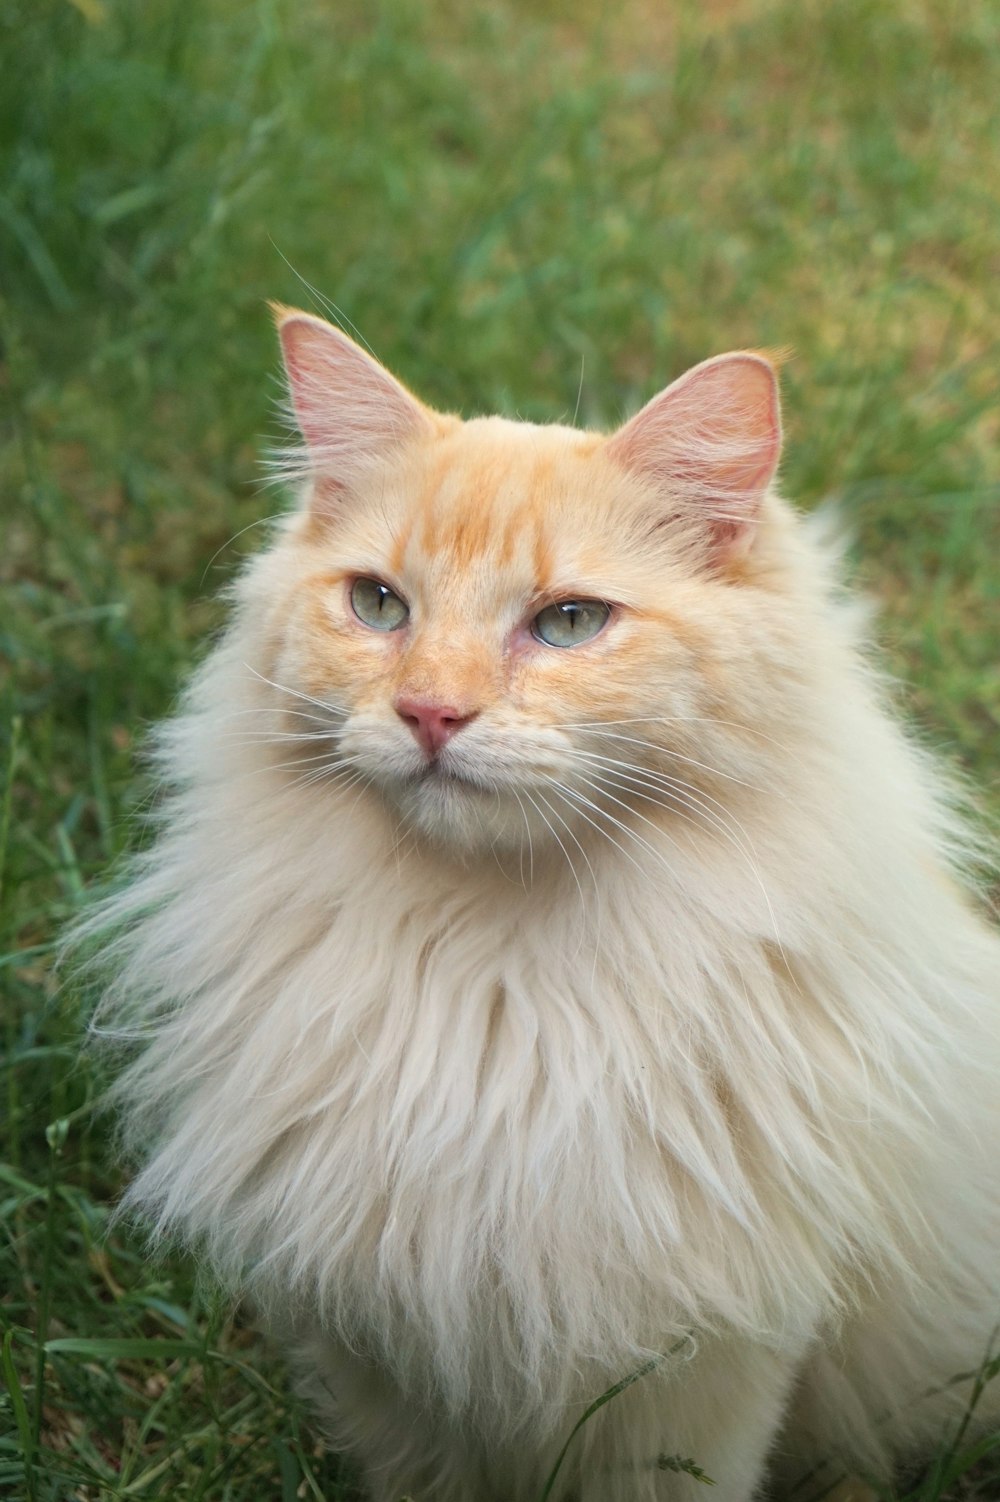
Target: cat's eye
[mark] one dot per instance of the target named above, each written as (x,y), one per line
(378,606)
(569,623)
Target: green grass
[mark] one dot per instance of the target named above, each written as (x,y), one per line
(515,203)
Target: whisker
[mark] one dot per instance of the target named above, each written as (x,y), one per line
(658,856)
(600,787)
(259,521)
(332,774)
(672,785)
(297,762)
(296,693)
(531,848)
(559,842)
(579,797)
(569,830)
(673,795)
(679,719)
(277,710)
(278,737)
(679,756)
(593,876)
(747,850)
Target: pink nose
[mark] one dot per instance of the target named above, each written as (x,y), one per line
(432,724)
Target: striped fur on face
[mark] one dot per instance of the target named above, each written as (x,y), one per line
(477,527)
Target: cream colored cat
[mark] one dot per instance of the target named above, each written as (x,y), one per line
(553,957)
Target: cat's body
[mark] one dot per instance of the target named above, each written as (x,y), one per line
(517,1014)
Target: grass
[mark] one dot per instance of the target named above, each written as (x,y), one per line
(516,203)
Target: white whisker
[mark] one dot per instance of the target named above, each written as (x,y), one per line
(336,710)
(604,814)
(279,737)
(593,875)
(678,756)
(531,848)
(279,712)
(559,842)
(625,783)
(673,787)
(333,774)
(679,719)
(298,762)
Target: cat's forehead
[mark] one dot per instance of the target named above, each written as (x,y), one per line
(504,498)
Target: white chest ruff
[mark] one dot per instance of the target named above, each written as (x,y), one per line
(467,1145)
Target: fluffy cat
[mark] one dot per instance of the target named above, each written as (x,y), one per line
(553,958)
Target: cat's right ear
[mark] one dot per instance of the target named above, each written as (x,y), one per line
(351,412)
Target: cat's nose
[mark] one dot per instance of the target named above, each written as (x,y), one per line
(432,724)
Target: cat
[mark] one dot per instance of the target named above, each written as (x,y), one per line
(555,964)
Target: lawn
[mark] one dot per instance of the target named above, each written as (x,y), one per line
(532,208)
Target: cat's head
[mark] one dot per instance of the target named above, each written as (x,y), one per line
(507,628)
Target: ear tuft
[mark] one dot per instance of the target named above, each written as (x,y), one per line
(279,311)
(710,444)
(350,410)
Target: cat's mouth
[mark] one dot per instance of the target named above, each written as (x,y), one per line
(470,804)
(434,774)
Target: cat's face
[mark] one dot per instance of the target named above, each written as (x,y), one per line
(501,626)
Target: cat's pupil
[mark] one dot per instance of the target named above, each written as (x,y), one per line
(377,605)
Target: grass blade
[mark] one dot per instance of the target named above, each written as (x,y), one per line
(123,1350)
(21,1417)
(588,1413)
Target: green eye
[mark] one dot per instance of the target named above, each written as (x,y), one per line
(378,606)
(570,622)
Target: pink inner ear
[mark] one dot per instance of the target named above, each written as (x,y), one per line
(350,410)
(710,444)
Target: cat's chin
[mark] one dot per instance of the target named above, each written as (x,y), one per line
(454,811)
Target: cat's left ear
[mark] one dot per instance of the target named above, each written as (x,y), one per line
(710,444)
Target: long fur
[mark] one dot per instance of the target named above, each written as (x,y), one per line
(699,1056)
